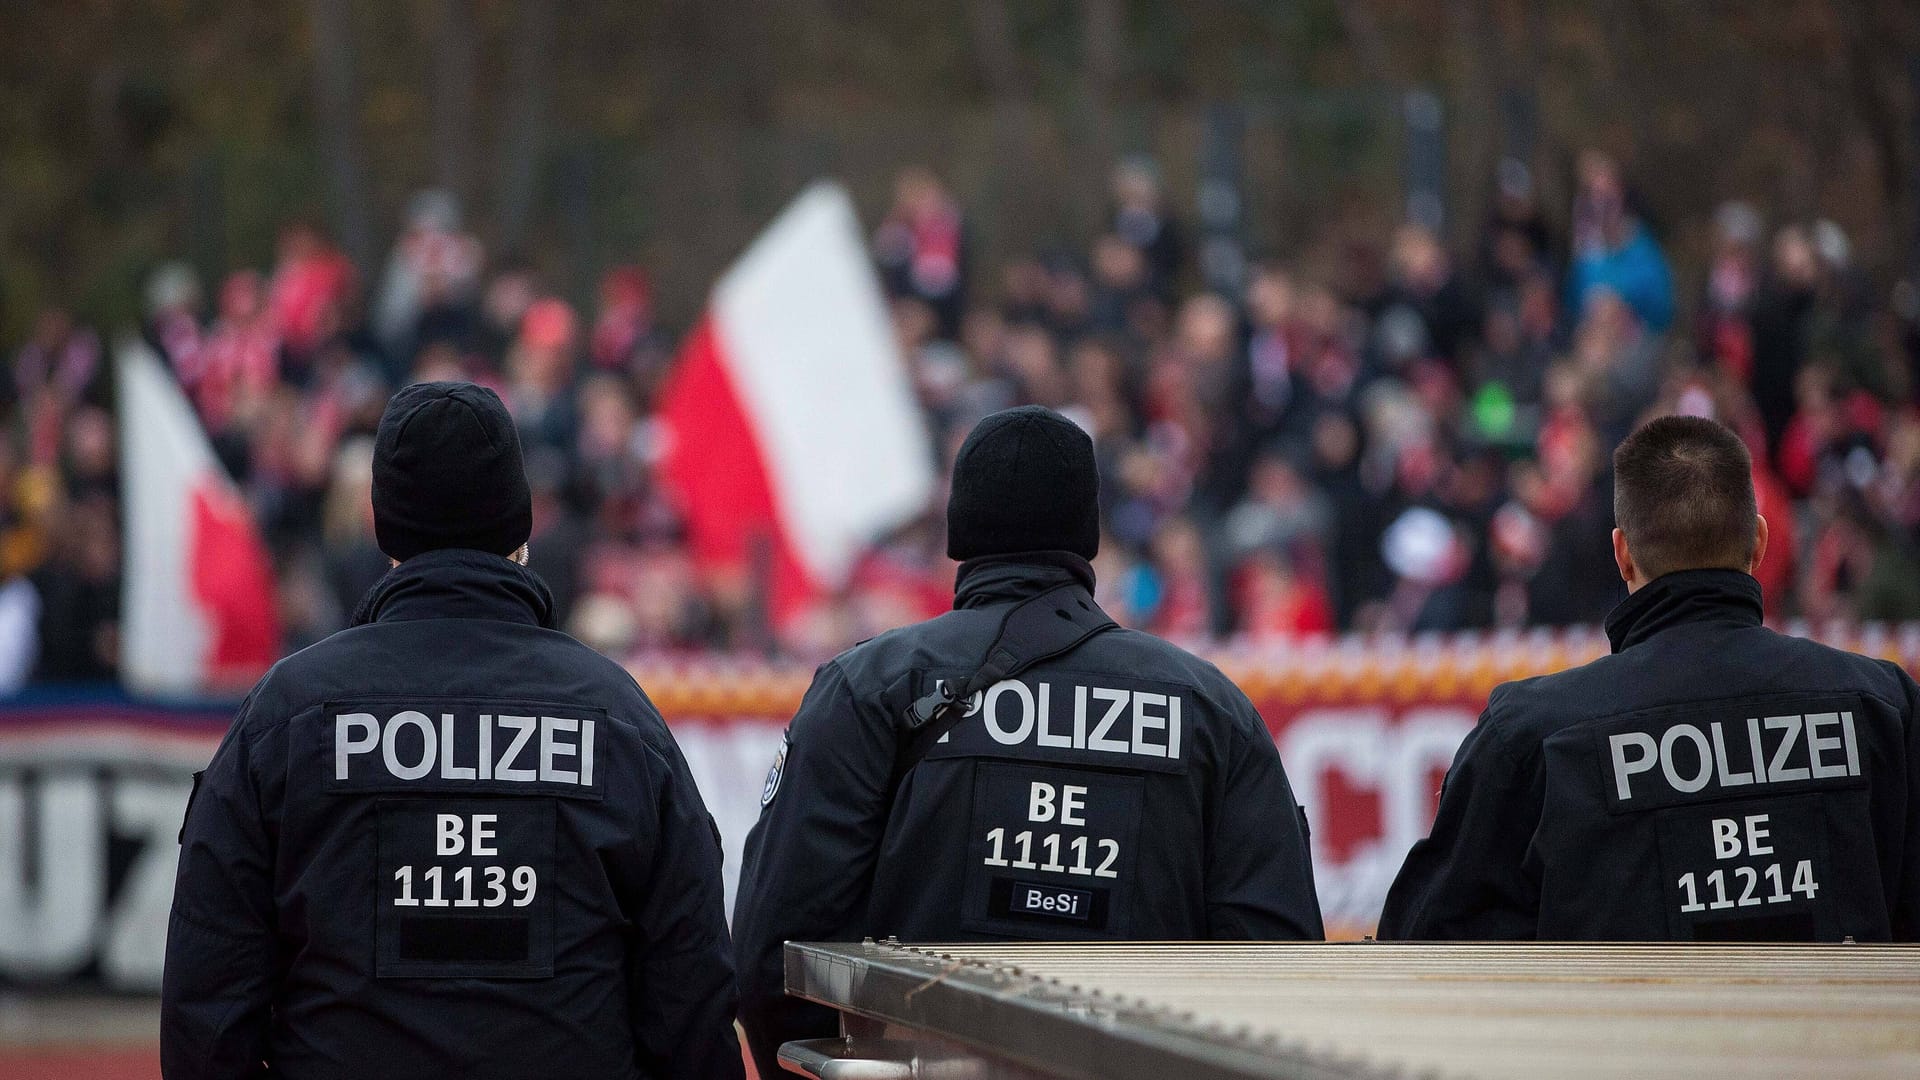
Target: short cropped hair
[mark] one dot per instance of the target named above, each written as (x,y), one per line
(1683,495)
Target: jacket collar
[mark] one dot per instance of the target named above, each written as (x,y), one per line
(455,583)
(992,579)
(1684,596)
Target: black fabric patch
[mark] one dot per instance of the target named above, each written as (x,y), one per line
(465,888)
(1049,903)
(1100,720)
(461,939)
(1717,888)
(459,747)
(1760,928)
(192,794)
(1068,834)
(1705,752)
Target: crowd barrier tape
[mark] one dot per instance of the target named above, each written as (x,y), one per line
(93,786)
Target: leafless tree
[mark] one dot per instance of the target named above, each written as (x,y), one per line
(455,45)
(523,137)
(336,94)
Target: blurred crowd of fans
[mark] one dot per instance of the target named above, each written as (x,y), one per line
(1417,439)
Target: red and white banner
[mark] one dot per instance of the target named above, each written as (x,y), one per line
(1365,727)
(92,789)
(198,609)
(793,437)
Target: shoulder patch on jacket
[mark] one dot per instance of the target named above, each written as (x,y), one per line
(772,787)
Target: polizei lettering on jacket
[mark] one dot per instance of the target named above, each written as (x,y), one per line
(1678,758)
(1136,725)
(463,746)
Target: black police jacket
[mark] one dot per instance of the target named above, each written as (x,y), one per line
(1125,791)
(1710,780)
(448,841)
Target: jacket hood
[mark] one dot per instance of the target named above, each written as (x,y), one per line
(455,583)
(993,579)
(1682,597)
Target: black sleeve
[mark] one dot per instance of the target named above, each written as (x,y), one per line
(1259,870)
(1468,880)
(217,987)
(683,996)
(808,867)
(1905,910)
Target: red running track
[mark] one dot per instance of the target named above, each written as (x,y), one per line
(130,1063)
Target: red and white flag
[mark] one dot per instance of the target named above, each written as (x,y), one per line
(794,439)
(198,611)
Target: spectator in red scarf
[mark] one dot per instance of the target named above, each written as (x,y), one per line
(308,290)
(623,332)
(1279,602)
(540,376)
(239,364)
(1183,612)
(1724,331)
(922,247)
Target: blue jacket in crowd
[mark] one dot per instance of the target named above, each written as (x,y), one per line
(1636,271)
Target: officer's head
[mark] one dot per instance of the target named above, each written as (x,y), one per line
(1024,481)
(1683,500)
(447,474)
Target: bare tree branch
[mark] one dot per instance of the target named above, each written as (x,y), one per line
(998,52)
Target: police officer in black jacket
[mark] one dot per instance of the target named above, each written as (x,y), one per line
(1711,780)
(449,840)
(1122,790)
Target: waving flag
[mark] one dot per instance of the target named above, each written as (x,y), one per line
(198,607)
(793,435)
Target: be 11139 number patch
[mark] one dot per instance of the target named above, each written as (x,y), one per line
(465,888)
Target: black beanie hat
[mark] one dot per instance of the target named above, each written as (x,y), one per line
(447,473)
(1024,481)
